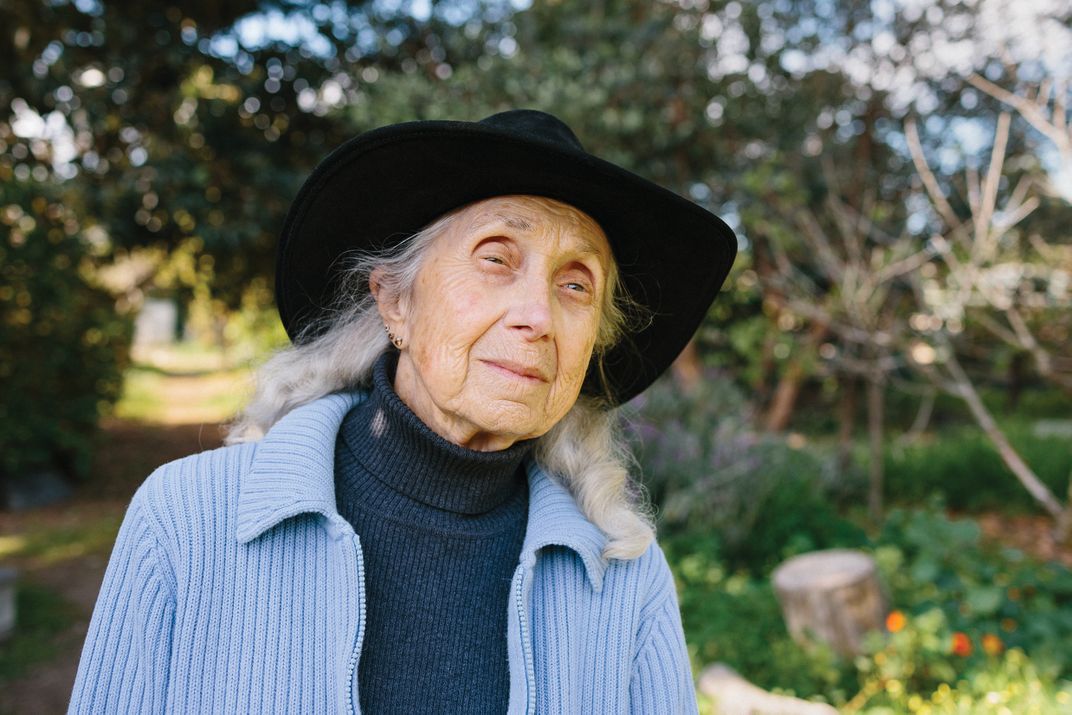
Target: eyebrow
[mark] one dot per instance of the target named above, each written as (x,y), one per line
(515,222)
(520,224)
(511,221)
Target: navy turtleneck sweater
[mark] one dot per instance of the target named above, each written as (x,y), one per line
(441,528)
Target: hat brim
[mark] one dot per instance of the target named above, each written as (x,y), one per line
(384,185)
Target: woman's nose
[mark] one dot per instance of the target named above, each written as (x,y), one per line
(530,311)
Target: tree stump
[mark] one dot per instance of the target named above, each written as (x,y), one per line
(7,602)
(830,596)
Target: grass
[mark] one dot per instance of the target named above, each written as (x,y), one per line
(50,543)
(43,615)
(963,467)
(172,400)
(184,384)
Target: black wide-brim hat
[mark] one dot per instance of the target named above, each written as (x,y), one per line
(386,184)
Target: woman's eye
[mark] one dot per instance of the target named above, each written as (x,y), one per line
(495,259)
(577,287)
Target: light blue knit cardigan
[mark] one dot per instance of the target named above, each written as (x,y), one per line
(235,587)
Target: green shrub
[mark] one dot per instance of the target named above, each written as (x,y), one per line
(62,346)
(973,629)
(706,469)
(960,465)
(927,667)
(930,561)
(42,617)
(734,618)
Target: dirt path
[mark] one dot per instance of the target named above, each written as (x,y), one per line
(74,571)
(46,688)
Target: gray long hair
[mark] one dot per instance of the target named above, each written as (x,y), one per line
(585,451)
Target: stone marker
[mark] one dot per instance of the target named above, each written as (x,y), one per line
(7,602)
(734,695)
(831,596)
(156,321)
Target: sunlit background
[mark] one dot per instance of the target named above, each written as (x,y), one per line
(888,369)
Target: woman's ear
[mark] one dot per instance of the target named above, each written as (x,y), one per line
(388,302)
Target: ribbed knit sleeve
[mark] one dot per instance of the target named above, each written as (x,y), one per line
(124,663)
(662,676)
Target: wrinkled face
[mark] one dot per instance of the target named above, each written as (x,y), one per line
(502,320)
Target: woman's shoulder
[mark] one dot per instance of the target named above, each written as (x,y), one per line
(199,488)
(649,573)
(211,467)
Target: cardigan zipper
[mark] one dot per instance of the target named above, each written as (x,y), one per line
(360,626)
(526,646)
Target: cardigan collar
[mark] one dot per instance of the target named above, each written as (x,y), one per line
(292,473)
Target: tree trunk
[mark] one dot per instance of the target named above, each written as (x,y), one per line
(788,390)
(847,423)
(8,581)
(785,398)
(876,395)
(687,369)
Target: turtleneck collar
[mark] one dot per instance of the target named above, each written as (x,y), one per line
(395,446)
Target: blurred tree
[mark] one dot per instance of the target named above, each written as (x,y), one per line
(170,124)
(149,126)
(62,345)
(189,128)
(991,273)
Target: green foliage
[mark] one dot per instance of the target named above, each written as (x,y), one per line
(960,465)
(734,618)
(705,467)
(62,345)
(930,561)
(42,615)
(928,667)
(972,628)
(975,627)
(1034,402)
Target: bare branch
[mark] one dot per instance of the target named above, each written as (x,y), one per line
(1050,254)
(1060,118)
(923,418)
(1019,213)
(999,330)
(790,277)
(975,193)
(929,182)
(816,237)
(983,220)
(1054,128)
(1019,192)
(1030,481)
(910,264)
(852,333)
(1027,339)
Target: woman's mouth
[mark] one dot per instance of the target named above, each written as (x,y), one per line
(510,368)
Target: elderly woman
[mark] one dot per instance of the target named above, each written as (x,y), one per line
(425,507)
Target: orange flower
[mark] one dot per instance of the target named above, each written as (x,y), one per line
(895,621)
(962,645)
(992,645)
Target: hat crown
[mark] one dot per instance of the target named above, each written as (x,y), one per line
(388,183)
(536,125)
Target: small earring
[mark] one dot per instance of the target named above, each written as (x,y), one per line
(396,341)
